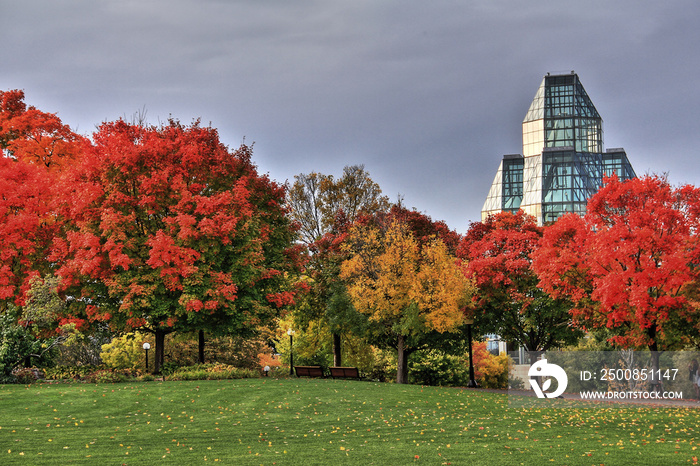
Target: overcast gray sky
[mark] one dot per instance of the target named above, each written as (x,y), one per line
(427,95)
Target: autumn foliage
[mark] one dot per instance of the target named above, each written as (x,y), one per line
(406,289)
(26,227)
(499,253)
(324,208)
(30,135)
(35,145)
(159,229)
(630,264)
(149,228)
(175,231)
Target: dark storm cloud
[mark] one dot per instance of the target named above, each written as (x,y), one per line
(427,95)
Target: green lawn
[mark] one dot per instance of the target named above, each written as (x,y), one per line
(293,421)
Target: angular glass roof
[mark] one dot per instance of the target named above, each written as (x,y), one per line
(561,95)
(536,110)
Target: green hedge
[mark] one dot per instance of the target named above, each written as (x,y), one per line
(212,372)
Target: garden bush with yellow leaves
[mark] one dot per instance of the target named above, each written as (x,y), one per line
(125,352)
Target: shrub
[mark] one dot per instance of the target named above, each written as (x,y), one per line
(212,372)
(270,360)
(68,372)
(82,349)
(16,342)
(490,371)
(106,376)
(384,366)
(169,368)
(26,375)
(182,349)
(434,367)
(516,383)
(7,379)
(125,352)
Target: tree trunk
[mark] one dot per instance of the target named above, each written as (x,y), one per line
(472,380)
(656,381)
(337,360)
(402,361)
(160,350)
(534,357)
(201,346)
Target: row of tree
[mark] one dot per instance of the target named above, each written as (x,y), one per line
(627,270)
(164,229)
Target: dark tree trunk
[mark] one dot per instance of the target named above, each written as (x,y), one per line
(201,346)
(656,382)
(337,359)
(402,361)
(472,380)
(534,357)
(160,350)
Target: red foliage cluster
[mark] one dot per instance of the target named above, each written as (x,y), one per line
(147,226)
(498,251)
(631,263)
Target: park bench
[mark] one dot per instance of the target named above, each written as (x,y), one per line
(345,372)
(309,371)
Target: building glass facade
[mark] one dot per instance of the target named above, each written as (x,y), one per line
(563,163)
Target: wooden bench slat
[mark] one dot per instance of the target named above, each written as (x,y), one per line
(345,372)
(309,371)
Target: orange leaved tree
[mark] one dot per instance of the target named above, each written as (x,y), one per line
(412,292)
(31,135)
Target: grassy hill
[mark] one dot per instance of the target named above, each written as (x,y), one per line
(300,421)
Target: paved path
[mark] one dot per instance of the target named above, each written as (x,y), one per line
(576,397)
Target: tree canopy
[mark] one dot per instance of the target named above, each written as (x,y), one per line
(411,290)
(510,303)
(629,265)
(33,136)
(170,230)
(324,208)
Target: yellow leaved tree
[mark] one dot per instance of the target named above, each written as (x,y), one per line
(413,292)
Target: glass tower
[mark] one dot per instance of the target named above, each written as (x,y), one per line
(563,162)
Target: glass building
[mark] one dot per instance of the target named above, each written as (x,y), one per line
(563,161)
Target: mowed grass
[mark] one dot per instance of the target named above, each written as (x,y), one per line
(301,421)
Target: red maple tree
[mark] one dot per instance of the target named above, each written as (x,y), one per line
(510,304)
(170,230)
(26,227)
(629,263)
(34,145)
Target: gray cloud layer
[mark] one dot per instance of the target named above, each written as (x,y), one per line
(428,95)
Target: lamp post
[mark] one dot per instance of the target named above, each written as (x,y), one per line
(472,382)
(147,346)
(290,332)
